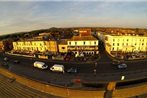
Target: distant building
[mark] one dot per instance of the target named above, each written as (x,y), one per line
(32,46)
(6,45)
(84,43)
(52,46)
(63,46)
(125,43)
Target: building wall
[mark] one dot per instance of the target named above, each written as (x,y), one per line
(6,45)
(33,46)
(88,46)
(52,46)
(29,46)
(83,43)
(126,43)
(62,48)
(1,46)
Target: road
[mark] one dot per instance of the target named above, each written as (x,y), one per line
(105,71)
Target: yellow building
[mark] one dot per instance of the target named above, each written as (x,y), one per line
(32,46)
(125,43)
(6,45)
(1,46)
(52,46)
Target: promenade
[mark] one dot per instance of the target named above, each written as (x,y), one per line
(9,88)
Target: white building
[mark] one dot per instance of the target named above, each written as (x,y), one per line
(125,43)
(85,43)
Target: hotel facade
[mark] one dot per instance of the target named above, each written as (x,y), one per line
(84,43)
(35,46)
(125,43)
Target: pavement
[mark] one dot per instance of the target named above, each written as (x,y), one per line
(9,88)
(105,71)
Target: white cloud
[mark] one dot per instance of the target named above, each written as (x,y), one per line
(80,0)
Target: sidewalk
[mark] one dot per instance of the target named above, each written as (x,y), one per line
(11,89)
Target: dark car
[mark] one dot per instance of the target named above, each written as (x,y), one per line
(5,63)
(73,70)
(116,62)
(5,59)
(122,66)
(16,61)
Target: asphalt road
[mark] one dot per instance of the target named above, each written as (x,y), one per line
(105,71)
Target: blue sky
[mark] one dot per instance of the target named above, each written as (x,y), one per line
(31,15)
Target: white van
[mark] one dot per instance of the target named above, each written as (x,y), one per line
(57,68)
(40,65)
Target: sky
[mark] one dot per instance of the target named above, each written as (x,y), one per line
(19,16)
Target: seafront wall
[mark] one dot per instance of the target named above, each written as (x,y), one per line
(52,89)
(123,92)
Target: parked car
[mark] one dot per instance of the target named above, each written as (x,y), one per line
(16,61)
(57,68)
(122,66)
(40,65)
(72,70)
(5,59)
(5,63)
(116,62)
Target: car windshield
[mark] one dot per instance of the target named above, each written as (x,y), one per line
(44,65)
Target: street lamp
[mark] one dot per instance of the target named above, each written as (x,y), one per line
(122,77)
(95,65)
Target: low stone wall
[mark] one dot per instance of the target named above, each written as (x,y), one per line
(53,90)
(75,93)
(130,92)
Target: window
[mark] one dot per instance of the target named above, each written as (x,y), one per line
(95,43)
(117,44)
(75,43)
(112,48)
(127,39)
(84,43)
(113,39)
(113,44)
(90,43)
(63,47)
(122,44)
(106,38)
(69,43)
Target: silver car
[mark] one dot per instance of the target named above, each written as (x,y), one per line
(122,66)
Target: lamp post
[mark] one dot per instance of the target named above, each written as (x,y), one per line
(95,65)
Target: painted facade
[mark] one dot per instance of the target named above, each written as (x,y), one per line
(84,43)
(126,43)
(35,46)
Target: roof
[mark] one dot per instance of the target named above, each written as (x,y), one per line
(75,38)
(108,44)
(63,42)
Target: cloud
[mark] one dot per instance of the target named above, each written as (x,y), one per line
(25,16)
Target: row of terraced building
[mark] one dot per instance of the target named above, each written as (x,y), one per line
(83,43)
